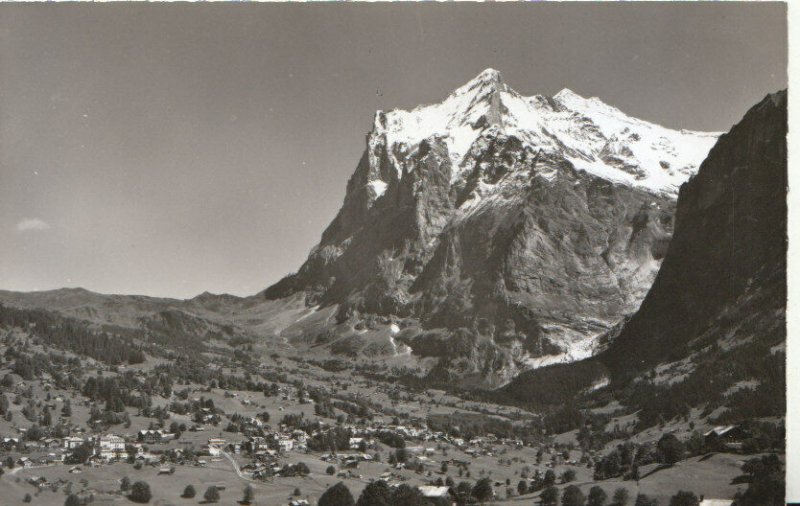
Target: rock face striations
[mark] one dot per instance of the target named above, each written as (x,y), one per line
(534,223)
(727,260)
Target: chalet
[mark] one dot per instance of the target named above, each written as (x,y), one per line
(438,493)
(55,457)
(151,436)
(24,462)
(356,442)
(51,442)
(716,502)
(729,437)
(8,443)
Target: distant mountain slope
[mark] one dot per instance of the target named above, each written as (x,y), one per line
(529,220)
(197,318)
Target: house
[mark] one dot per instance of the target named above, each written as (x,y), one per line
(728,437)
(51,442)
(432,492)
(72,442)
(356,442)
(716,502)
(25,462)
(285,444)
(217,441)
(151,436)
(9,443)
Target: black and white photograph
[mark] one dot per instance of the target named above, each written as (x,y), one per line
(397,254)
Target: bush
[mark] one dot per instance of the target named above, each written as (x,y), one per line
(189,492)
(684,498)
(140,492)
(125,484)
(72,500)
(248,494)
(643,500)
(27,498)
(212,494)
(568,476)
(330,470)
(337,495)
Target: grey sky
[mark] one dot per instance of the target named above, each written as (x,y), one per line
(172,149)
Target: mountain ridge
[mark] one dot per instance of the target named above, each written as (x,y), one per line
(503,214)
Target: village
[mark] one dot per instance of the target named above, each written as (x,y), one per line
(289,447)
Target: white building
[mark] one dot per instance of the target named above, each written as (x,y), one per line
(111,447)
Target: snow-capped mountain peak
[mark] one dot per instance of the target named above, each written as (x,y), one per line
(596,137)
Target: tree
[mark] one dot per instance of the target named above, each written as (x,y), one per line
(522,487)
(620,497)
(684,498)
(405,495)
(337,495)
(248,494)
(72,500)
(644,500)
(27,498)
(483,490)
(188,492)
(212,494)
(140,492)
(331,470)
(549,496)
(597,497)
(80,454)
(573,496)
(671,449)
(125,484)
(376,493)
(66,411)
(464,492)
(767,482)
(568,476)
(549,477)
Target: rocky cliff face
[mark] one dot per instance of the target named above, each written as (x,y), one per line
(715,317)
(536,223)
(726,263)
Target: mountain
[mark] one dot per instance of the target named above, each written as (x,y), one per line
(530,225)
(728,254)
(711,332)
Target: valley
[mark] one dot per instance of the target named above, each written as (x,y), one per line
(523,300)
